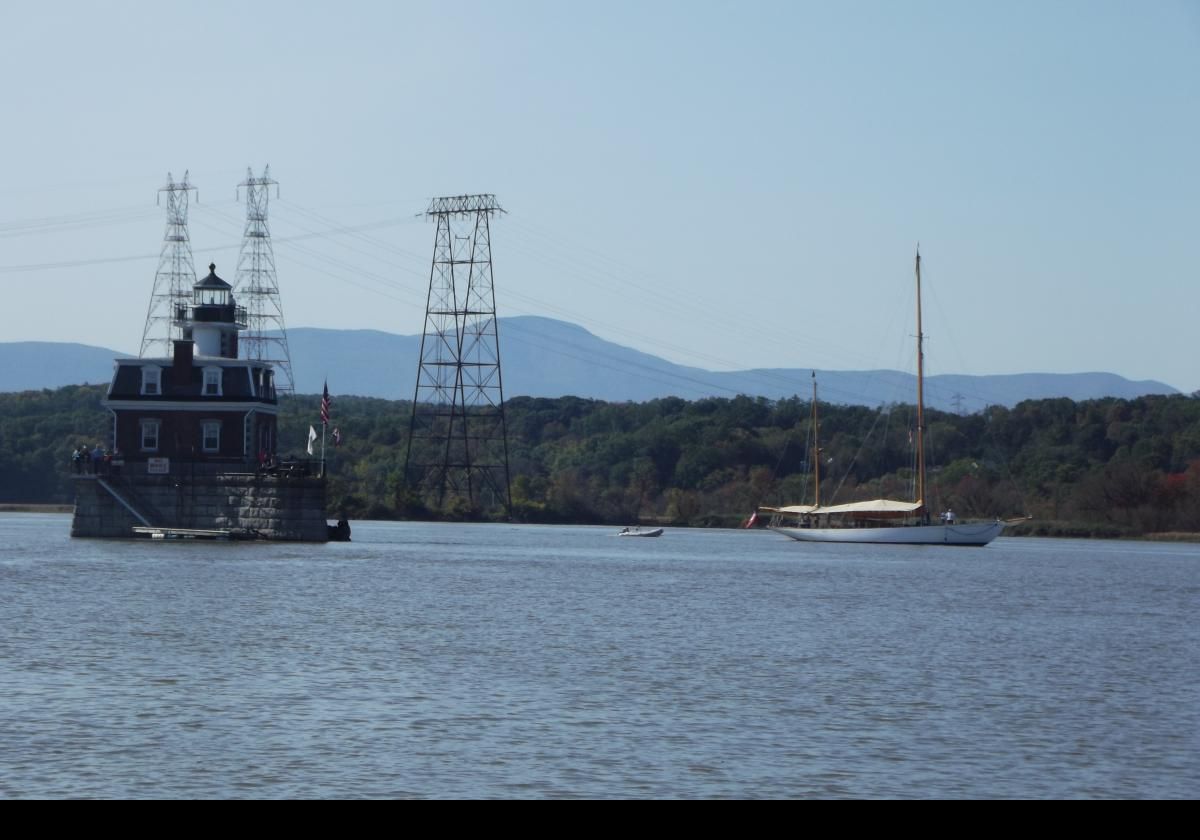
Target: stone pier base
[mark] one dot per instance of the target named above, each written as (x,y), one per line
(272,507)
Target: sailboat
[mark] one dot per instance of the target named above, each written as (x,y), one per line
(881,520)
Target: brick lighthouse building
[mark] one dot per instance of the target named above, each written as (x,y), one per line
(194,439)
(204,404)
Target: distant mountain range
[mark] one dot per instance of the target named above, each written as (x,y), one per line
(543,357)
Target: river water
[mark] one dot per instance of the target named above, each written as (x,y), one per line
(432,660)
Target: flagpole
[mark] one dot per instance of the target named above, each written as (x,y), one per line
(324,421)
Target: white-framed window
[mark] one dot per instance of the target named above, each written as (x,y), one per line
(151,380)
(212,382)
(210,435)
(149,429)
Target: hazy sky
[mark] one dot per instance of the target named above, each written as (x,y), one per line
(727,185)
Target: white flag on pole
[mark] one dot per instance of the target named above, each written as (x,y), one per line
(312,436)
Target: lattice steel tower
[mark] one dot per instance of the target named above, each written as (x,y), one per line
(176,272)
(257,286)
(458,439)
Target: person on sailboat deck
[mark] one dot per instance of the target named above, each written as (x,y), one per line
(948,517)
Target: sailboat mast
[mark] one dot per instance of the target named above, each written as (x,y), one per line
(816,447)
(920,392)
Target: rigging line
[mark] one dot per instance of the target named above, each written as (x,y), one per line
(939,391)
(787,442)
(990,431)
(809,445)
(972,393)
(861,445)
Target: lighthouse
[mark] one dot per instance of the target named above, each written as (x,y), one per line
(194,440)
(203,405)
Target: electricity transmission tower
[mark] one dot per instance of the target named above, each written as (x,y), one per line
(256,284)
(458,439)
(176,271)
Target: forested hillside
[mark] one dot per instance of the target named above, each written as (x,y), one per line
(1106,467)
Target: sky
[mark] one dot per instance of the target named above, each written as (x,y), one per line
(728,185)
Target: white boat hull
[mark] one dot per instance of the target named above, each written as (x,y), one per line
(656,532)
(957,534)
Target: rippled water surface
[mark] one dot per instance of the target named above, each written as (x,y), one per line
(525,661)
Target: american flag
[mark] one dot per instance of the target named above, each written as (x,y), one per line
(326,403)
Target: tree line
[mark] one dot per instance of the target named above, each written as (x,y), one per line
(1107,467)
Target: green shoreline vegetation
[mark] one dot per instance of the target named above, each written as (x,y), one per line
(1107,468)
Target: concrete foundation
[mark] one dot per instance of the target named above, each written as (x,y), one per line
(257,506)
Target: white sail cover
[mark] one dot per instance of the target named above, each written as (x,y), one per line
(792,509)
(876,507)
(887,507)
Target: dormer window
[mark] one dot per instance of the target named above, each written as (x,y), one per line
(212,382)
(151,381)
